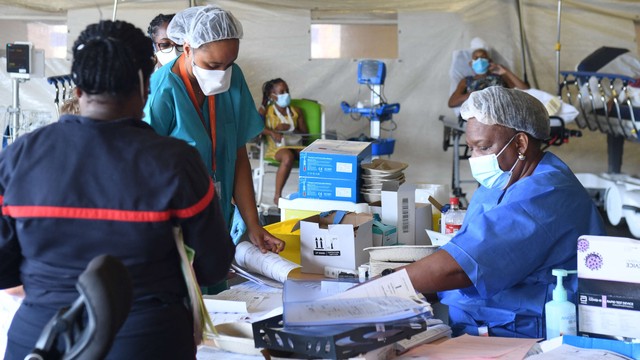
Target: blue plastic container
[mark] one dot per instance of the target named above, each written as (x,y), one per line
(382,146)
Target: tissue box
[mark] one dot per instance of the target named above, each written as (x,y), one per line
(341,245)
(334,159)
(609,287)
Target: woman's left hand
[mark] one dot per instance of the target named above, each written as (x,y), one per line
(265,241)
(497,69)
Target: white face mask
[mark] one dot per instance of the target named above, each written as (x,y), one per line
(212,82)
(486,169)
(167,57)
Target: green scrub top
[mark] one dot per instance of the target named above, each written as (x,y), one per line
(170,112)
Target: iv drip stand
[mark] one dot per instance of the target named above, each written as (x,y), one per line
(14,125)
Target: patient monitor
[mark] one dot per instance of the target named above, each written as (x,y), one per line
(372,73)
(24,61)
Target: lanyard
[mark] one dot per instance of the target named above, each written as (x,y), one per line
(212,108)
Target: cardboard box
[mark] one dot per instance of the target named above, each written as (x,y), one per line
(334,159)
(422,220)
(329,189)
(341,245)
(609,287)
(398,208)
(301,208)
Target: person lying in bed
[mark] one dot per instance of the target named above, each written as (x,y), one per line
(486,73)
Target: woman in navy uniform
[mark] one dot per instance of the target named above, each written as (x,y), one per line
(104,182)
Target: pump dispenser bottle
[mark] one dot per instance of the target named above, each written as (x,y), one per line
(560,314)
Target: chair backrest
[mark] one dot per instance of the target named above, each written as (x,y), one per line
(314,117)
(106,295)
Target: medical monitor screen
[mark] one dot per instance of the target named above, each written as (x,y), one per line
(18,58)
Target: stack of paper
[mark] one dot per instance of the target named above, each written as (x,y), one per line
(385,299)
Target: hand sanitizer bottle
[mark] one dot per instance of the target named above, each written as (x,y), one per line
(560,314)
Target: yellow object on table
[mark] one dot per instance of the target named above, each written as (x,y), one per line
(284,231)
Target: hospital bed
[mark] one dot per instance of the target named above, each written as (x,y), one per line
(454,127)
(601,89)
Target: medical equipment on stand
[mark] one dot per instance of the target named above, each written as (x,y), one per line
(372,73)
(23,63)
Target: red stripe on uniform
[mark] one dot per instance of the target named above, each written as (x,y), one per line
(26,211)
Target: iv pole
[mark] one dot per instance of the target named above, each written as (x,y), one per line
(15,109)
(522,43)
(558,45)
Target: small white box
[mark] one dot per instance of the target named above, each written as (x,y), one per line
(341,245)
(398,208)
(423,221)
(609,287)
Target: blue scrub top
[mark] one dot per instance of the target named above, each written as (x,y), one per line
(170,112)
(509,243)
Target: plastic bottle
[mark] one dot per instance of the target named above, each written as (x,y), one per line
(560,314)
(454,217)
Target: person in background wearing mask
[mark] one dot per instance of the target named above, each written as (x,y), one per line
(103,182)
(165,49)
(487,73)
(495,273)
(282,122)
(202,98)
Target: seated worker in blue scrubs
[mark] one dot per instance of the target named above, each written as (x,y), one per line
(523,221)
(202,98)
(103,182)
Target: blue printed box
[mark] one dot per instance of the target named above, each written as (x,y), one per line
(334,159)
(329,189)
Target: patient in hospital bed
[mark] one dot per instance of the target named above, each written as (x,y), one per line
(486,73)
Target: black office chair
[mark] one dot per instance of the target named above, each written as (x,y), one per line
(90,324)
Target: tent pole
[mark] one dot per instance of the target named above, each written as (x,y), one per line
(115,10)
(524,60)
(558,45)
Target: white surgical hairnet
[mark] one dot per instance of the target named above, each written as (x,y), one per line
(199,25)
(511,108)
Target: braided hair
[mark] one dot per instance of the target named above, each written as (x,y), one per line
(157,22)
(109,56)
(267,87)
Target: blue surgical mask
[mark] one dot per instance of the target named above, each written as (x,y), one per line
(283,100)
(486,169)
(480,66)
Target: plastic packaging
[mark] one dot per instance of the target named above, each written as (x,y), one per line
(560,314)
(454,217)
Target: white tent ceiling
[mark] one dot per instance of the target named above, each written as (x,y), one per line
(620,8)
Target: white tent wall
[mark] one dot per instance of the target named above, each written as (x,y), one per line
(277,44)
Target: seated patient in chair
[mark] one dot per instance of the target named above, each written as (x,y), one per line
(282,124)
(486,73)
